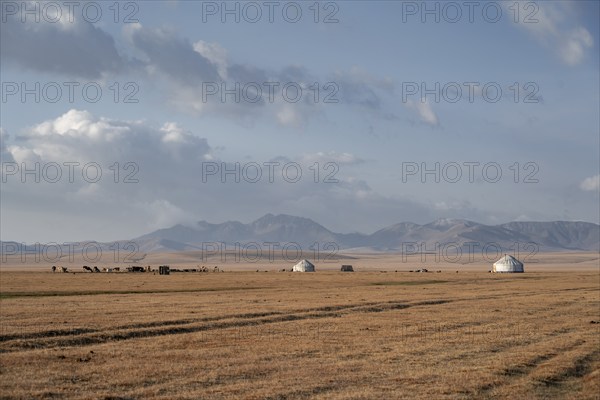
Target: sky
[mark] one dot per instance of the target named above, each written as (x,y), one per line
(118,119)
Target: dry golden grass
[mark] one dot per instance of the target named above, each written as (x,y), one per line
(328,335)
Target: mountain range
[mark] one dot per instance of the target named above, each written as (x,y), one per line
(469,235)
(405,237)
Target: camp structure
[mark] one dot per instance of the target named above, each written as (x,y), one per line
(304,266)
(164,270)
(347,268)
(507,264)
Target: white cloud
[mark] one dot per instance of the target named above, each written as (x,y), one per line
(146,174)
(572,49)
(173,133)
(196,75)
(215,53)
(590,184)
(63,48)
(552,24)
(162,213)
(289,115)
(331,156)
(426,113)
(173,56)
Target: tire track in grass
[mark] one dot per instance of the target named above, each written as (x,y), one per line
(521,371)
(48,340)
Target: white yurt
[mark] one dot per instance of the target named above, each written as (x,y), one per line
(508,264)
(304,266)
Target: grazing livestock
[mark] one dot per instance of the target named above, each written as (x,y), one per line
(54,268)
(88,269)
(96,269)
(64,269)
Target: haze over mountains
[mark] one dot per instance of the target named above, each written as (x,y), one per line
(406,237)
(547,236)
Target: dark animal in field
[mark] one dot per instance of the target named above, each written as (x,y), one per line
(54,268)
(88,269)
(96,269)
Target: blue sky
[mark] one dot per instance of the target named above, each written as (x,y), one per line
(549,132)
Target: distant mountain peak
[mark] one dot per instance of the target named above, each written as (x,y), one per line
(283,219)
(451,222)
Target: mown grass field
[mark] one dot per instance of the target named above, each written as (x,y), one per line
(280,335)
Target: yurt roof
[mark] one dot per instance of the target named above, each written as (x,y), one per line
(508,260)
(305,263)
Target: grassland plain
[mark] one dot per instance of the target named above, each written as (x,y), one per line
(372,334)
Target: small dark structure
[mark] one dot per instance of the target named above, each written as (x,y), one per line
(164,270)
(347,268)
